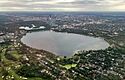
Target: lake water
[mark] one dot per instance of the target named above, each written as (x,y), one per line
(63,44)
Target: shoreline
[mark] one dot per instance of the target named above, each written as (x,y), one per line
(74,52)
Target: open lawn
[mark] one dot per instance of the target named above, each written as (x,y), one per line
(68,66)
(35,79)
(15,54)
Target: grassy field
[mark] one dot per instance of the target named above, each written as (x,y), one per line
(8,64)
(8,68)
(15,54)
(68,66)
(35,79)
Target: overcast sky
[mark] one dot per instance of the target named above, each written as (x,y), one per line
(62,5)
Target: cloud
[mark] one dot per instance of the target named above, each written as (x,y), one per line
(62,5)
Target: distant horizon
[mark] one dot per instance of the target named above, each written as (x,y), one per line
(63,5)
(69,11)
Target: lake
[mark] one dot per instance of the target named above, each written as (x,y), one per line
(63,44)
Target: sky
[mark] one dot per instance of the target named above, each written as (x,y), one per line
(62,5)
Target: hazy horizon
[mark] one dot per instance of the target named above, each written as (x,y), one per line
(63,5)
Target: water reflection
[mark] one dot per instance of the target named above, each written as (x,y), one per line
(63,43)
